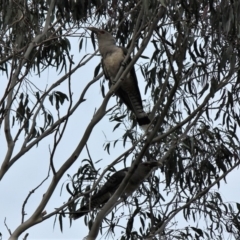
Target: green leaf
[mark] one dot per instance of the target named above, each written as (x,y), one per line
(93,40)
(198,230)
(96,71)
(51,99)
(80,44)
(116,126)
(61,96)
(238,207)
(144,57)
(60,222)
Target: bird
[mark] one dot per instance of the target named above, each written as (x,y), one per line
(108,189)
(112,58)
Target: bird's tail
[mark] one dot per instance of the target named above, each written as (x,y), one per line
(144,122)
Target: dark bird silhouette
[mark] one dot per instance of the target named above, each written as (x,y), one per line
(108,189)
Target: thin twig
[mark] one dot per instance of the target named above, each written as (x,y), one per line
(88,152)
(25,237)
(5,223)
(51,158)
(30,193)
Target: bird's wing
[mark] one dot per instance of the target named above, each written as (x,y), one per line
(103,195)
(105,71)
(134,89)
(111,184)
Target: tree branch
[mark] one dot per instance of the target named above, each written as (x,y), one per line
(14,81)
(30,193)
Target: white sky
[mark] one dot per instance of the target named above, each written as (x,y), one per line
(32,168)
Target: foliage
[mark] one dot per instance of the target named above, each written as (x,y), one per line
(191,76)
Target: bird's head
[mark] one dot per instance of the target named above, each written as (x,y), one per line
(148,166)
(102,36)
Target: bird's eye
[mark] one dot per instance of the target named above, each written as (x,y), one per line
(102,32)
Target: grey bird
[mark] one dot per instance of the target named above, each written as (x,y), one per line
(108,189)
(112,58)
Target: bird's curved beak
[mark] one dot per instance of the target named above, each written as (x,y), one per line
(93,29)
